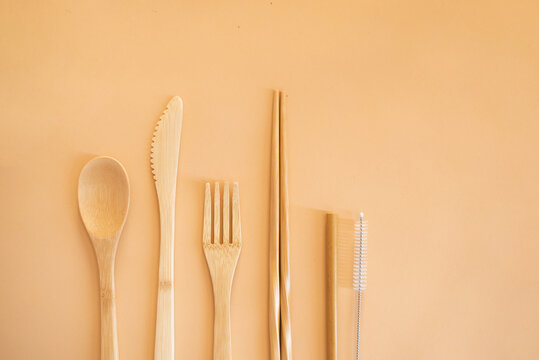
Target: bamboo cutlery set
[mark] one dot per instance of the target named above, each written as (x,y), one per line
(103,195)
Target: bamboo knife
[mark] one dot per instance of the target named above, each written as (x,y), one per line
(164,159)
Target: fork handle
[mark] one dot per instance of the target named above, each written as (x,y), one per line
(222,348)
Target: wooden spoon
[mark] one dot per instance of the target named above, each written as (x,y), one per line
(103,205)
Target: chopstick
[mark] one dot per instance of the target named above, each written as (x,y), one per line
(286,335)
(279,261)
(274,293)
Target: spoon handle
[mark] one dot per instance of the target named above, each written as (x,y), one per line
(109,334)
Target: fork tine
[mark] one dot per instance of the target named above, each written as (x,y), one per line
(206,234)
(217,215)
(226,215)
(236,223)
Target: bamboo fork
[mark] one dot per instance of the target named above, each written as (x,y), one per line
(222,257)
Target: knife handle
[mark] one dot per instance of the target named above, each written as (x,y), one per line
(164,332)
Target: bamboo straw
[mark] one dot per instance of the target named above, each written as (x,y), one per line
(331,286)
(274,298)
(286,335)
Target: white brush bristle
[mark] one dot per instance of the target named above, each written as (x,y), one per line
(359,279)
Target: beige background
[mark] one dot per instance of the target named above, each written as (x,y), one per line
(424,114)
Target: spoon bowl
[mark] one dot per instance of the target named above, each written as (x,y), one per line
(103,197)
(103,206)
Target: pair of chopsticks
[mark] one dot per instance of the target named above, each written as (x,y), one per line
(279,262)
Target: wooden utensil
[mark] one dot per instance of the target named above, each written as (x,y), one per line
(103,204)
(280,332)
(331,286)
(222,258)
(164,159)
(274,291)
(284,242)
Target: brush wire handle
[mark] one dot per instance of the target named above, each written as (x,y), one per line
(358,323)
(109,332)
